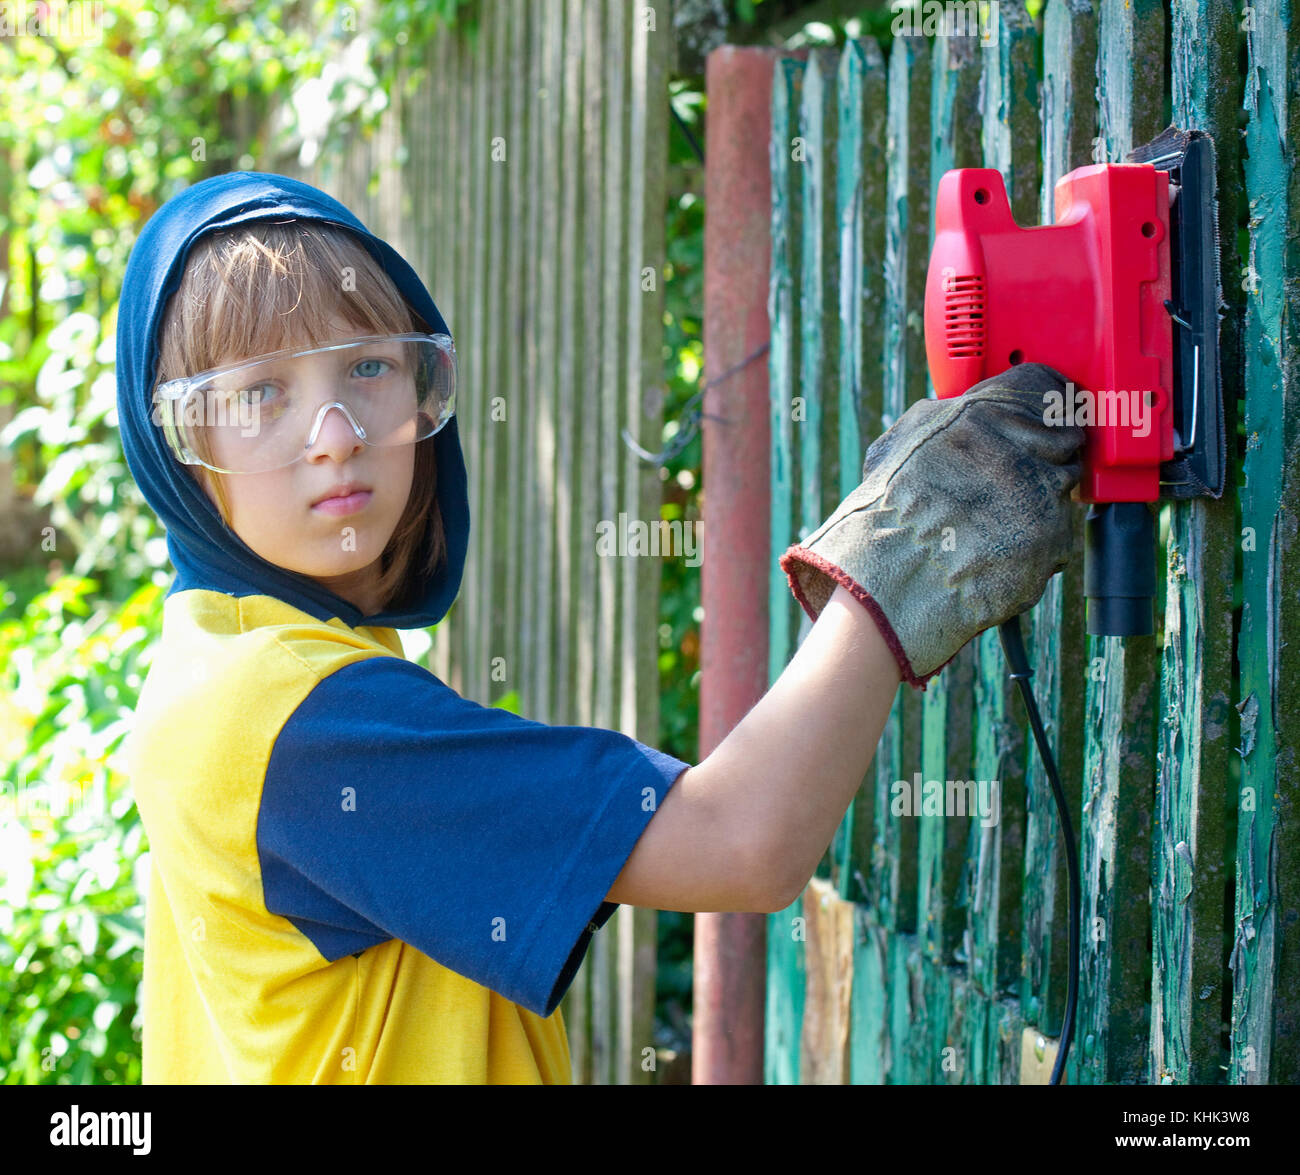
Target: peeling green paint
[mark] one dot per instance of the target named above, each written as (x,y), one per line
(1265,1016)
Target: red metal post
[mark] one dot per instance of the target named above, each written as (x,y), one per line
(731,949)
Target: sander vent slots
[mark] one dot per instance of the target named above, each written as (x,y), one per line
(963,316)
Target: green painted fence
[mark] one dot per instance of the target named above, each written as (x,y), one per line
(933,949)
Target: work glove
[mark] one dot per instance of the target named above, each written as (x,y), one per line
(962,516)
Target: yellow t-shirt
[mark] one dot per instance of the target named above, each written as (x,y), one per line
(356,875)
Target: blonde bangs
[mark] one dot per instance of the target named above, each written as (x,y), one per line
(270,285)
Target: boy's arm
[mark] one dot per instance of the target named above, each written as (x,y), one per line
(745,829)
(990,475)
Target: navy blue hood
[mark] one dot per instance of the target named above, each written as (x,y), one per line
(207,553)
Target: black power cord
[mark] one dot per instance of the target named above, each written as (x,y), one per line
(1013,646)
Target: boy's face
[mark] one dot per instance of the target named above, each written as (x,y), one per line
(292,518)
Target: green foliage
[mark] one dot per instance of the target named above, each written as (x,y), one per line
(71,918)
(679,602)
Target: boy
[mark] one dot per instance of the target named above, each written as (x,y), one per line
(358,876)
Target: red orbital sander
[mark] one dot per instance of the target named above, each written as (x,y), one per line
(1121,295)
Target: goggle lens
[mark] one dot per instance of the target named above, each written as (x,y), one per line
(267,413)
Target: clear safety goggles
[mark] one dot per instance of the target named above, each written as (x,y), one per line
(266,413)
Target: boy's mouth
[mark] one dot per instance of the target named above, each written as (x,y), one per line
(345,498)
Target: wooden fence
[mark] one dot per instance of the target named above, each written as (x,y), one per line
(524,179)
(933,949)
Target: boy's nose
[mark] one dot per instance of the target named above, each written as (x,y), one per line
(335,434)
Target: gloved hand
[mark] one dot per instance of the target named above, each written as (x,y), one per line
(962,516)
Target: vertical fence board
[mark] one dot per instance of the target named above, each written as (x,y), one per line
(946,727)
(1265,961)
(860,206)
(817,417)
(441,236)
(785,956)
(1190,870)
(783,313)
(498,505)
(860,218)
(591,328)
(513,33)
(819,307)
(550,98)
(568,342)
(907,228)
(1121,691)
(647,173)
(481,181)
(452,201)
(869,1011)
(470,313)
(907,215)
(611,359)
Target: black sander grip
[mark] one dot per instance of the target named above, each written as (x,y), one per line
(1119,574)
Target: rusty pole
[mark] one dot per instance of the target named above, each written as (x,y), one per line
(731,949)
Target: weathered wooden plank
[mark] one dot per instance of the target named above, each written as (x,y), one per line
(907,216)
(824,1040)
(478,460)
(859,212)
(508,398)
(1121,693)
(869,1011)
(544,375)
(1191,873)
(783,1019)
(612,355)
(860,217)
(453,204)
(785,969)
(910,1058)
(467,314)
(819,329)
(569,341)
(816,417)
(1265,961)
(647,180)
(783,314)
(496,340)
(439,234)
(946,707)
(588,461)
(642,492)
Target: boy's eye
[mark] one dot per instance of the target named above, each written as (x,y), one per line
(258,396)
(371,372)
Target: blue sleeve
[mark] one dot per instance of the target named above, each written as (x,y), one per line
(395,808)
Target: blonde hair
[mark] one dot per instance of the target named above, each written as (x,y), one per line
(268,285)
